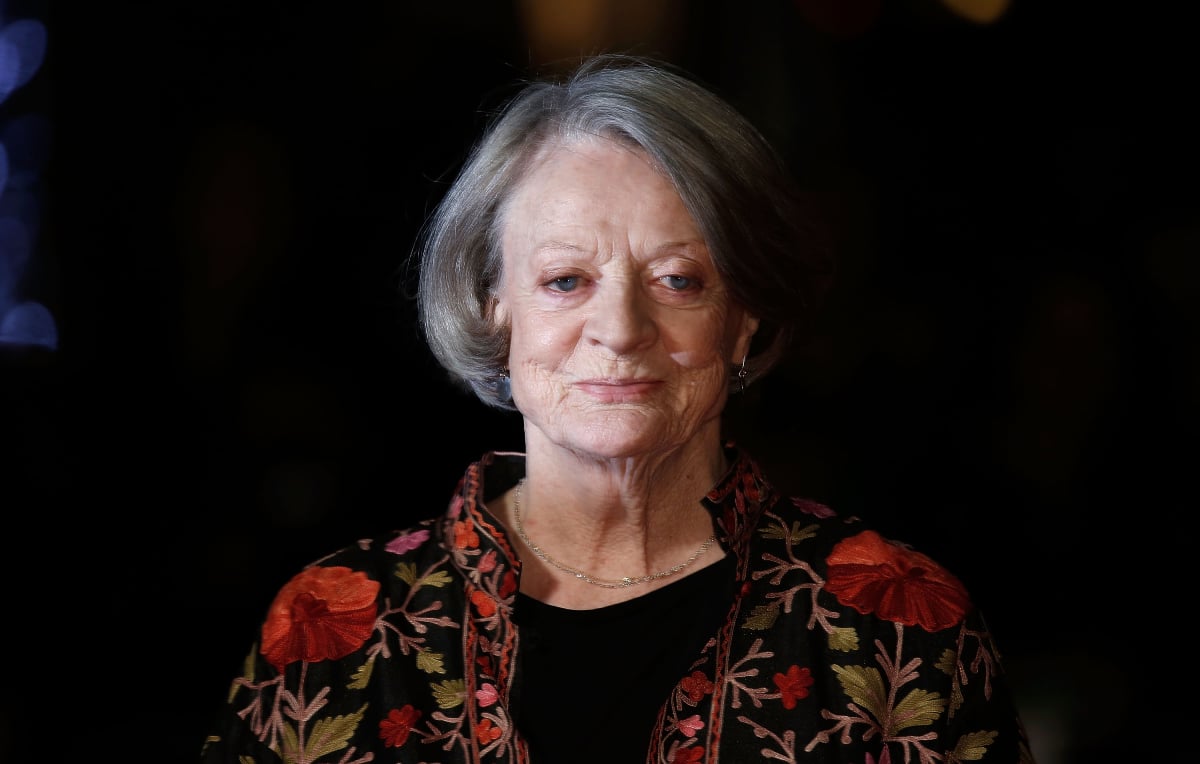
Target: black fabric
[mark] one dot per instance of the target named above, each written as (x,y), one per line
(592,681)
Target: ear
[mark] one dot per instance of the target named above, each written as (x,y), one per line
(496,311)
(741,347)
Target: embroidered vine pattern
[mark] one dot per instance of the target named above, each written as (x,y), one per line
(764,615)
(786,744)
(876,706)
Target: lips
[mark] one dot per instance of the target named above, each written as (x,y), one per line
(618,390)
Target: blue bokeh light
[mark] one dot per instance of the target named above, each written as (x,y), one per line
(22,50)
(24,148)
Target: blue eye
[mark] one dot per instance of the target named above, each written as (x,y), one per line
(678,282)
(564,283)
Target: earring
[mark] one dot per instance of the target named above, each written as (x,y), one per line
(502,386)
(741,375)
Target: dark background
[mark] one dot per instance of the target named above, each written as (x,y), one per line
(1005,375)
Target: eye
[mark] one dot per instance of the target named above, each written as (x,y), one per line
(563,284)
(677,282)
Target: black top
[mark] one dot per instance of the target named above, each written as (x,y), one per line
(591,682)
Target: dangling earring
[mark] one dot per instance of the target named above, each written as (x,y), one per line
(741,375)
(502,386)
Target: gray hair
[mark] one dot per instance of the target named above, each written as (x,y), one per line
(732,182)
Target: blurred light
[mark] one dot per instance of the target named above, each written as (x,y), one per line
(22,49)
(559,31)
(978,11)
(24,142)
(29,324)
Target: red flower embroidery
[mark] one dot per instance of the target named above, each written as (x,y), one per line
(874,575)
(690,755)
(485,664)
(696,686)
(465,536)
(487,563)
(399,723)
(793,685)
(321,614)
(486,733)
(508,584)
(484,603)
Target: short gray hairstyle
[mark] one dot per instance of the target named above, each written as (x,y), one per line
(736,187)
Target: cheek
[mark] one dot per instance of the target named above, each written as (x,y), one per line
(699,350)
(700,345)
(696,358)
(537,334)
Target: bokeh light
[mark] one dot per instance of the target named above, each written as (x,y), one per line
(24,146)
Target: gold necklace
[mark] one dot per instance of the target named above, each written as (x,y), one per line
(604,582)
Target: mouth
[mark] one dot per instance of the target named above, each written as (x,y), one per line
(618,390)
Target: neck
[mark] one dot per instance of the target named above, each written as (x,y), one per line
(590,537)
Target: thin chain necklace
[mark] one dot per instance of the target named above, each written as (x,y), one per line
(604,582)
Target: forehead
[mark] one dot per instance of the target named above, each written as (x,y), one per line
(594,181)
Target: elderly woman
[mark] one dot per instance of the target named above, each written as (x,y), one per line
(620,253)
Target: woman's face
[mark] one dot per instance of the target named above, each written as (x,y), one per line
(622,333)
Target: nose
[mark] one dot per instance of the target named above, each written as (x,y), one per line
(622,318)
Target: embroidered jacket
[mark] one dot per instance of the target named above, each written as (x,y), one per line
(839,646)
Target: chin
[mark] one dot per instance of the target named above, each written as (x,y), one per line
(615,437)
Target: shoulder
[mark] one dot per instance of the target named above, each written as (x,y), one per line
(862,569)
(381,558)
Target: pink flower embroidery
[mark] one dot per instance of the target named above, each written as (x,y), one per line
(814,508)
(691,725)
(486,694)
(406,542)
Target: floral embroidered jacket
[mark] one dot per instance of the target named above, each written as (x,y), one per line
(839,646)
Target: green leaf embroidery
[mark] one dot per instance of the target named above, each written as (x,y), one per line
(438,579)
(430,662)
(247,673)
(333,734)
(792,535)
(289,745)
(972,746)
(865,687)
(449,694)
(956,698)
(362,676)
(947,662)
(406,572)
(844,638)
(917,709)
(762,617)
